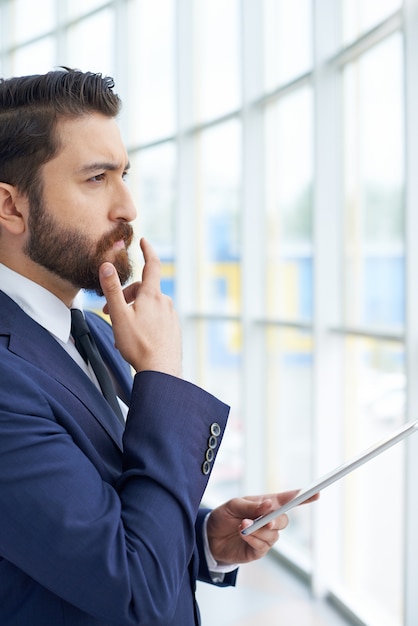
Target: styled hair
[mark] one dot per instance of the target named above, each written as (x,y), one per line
(31,106)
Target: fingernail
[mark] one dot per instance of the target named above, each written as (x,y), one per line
(107,270)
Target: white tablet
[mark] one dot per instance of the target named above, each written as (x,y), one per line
(335,474)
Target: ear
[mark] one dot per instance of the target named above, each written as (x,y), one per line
(13,209)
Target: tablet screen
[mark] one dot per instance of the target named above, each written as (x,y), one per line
(336,474)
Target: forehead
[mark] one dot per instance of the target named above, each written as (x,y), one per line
(90,138)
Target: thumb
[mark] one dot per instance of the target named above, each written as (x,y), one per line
(251,509)
(264,507)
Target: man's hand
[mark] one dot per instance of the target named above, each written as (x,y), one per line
(145,324)
(226,522)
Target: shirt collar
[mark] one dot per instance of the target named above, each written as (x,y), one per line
(39,303)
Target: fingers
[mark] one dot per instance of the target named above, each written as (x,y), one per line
(151,274)
(129,293)
(144,322)
(250,507)
(112,289)
(311,499)
(267,535)
(279,523)
(284,497)
(263,539)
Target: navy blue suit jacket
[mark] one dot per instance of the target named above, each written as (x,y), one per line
(98,525)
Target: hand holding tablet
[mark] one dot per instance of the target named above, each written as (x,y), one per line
(336,474)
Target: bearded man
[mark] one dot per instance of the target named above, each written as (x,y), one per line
(101,474)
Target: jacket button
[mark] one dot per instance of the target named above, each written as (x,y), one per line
(215,429)
(212,442)
(209,455)
(206,468)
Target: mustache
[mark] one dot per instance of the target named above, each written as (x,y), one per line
(122,231)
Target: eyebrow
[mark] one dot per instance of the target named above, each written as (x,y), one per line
(99,166)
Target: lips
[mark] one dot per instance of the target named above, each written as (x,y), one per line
(119,239)
(119,245)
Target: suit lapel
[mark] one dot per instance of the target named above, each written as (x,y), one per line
(33,343)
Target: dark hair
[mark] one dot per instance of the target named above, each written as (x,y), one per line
(31,106)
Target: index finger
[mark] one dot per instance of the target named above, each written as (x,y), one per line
(151,273)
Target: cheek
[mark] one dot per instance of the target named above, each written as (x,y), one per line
(70,207)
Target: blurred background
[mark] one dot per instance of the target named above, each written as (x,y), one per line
(274,153)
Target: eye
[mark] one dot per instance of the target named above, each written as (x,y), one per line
(97,178)
(125,176)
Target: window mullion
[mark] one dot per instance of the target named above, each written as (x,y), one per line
(327,246)
(252,234)
(411,223)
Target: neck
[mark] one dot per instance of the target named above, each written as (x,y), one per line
(62,289)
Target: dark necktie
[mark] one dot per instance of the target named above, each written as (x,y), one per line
(85,344)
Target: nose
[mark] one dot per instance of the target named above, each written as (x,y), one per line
(123,208)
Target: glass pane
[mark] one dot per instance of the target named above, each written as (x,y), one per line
(374,407)
(217,64)
(25,23)
(35,58)
(288,394)
(289,172)
(75,8)
(152,183)
(151,37)
(374,187)
(287,40)
(359,16)
(218,347)
(218,244)
(91,44)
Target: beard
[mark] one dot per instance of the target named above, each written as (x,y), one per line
(72,255)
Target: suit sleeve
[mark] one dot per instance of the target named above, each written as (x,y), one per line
(116,551)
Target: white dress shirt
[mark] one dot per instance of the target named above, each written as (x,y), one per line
(45,309)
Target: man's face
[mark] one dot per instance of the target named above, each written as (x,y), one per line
(81,218)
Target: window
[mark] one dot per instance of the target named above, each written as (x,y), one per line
(151,43)
(268,144)
(216,59)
